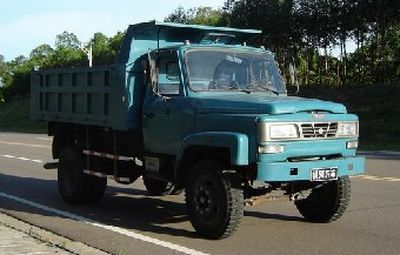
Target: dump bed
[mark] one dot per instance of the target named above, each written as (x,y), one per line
(111,96)
(90,96)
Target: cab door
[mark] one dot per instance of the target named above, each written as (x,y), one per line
(162,105)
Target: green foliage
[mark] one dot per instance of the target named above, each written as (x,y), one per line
(207,16)
(40,56)
(105,49)
(305,31)
(67,40)
(14,116)
(180,15)
(277,20)
(67,52)
(376,106)
(115,42)
(3,66)
(302,33)
(198,15)
(3,71)
(379,60)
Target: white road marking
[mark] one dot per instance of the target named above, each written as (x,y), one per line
(37,160)
(376,178)
(44,138)
(26,144)
(155,241)
(22,158)
(8,156)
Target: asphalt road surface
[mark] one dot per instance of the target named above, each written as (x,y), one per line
(126,221)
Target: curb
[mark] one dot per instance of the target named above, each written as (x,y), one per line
(48,237)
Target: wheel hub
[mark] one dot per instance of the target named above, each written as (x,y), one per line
(203,200)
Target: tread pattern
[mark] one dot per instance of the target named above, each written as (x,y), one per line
(235,203)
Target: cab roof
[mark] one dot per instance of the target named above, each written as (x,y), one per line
(142,37)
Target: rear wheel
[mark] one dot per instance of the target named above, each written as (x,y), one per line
(74,186)
(326,203)
(214,200)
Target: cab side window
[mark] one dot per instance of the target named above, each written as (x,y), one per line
(168,76)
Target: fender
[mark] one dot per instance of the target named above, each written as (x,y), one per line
(236,143)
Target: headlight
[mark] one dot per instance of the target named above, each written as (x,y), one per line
(283,131)
(348,129)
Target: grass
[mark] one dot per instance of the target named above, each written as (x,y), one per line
(15,117)
(377,107)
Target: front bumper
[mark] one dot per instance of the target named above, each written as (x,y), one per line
(285,171)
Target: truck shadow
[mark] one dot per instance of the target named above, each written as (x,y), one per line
(274,216)
(127,208)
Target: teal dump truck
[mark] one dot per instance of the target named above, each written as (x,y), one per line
(193,108)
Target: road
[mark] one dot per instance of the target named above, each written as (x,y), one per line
(128,222)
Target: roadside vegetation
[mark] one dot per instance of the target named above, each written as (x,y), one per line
(311,39)
(377,107)
(14,117)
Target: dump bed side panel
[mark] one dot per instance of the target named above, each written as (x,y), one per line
(87,96)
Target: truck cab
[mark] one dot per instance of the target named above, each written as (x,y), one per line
(233,97)
(194,108)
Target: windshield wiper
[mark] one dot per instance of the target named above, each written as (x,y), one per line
(232,87)
(258,86)
(245,90)
(270,89)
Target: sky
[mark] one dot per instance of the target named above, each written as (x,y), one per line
(25,25)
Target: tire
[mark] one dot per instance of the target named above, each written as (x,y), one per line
(214,200)
(155,187)
(327,203)
(76,187)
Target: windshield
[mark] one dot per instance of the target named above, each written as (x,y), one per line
(229,70)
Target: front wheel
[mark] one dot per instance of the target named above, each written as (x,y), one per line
(214,200)
(326,203)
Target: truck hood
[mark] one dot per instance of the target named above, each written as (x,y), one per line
(264,104)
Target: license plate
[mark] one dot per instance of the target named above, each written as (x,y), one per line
(324,174)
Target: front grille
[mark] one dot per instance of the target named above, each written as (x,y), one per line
(319,130)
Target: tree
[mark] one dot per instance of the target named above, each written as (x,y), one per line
(115,43)
(105,50)
(16,79)
(40,55)
(67,51)
(41,52)
(198,15)
(277,20)
(206,16)
(101,51)
(15,75)
(67,40)
(3,67)
(179,15)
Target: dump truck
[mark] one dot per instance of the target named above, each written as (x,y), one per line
(194,108)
